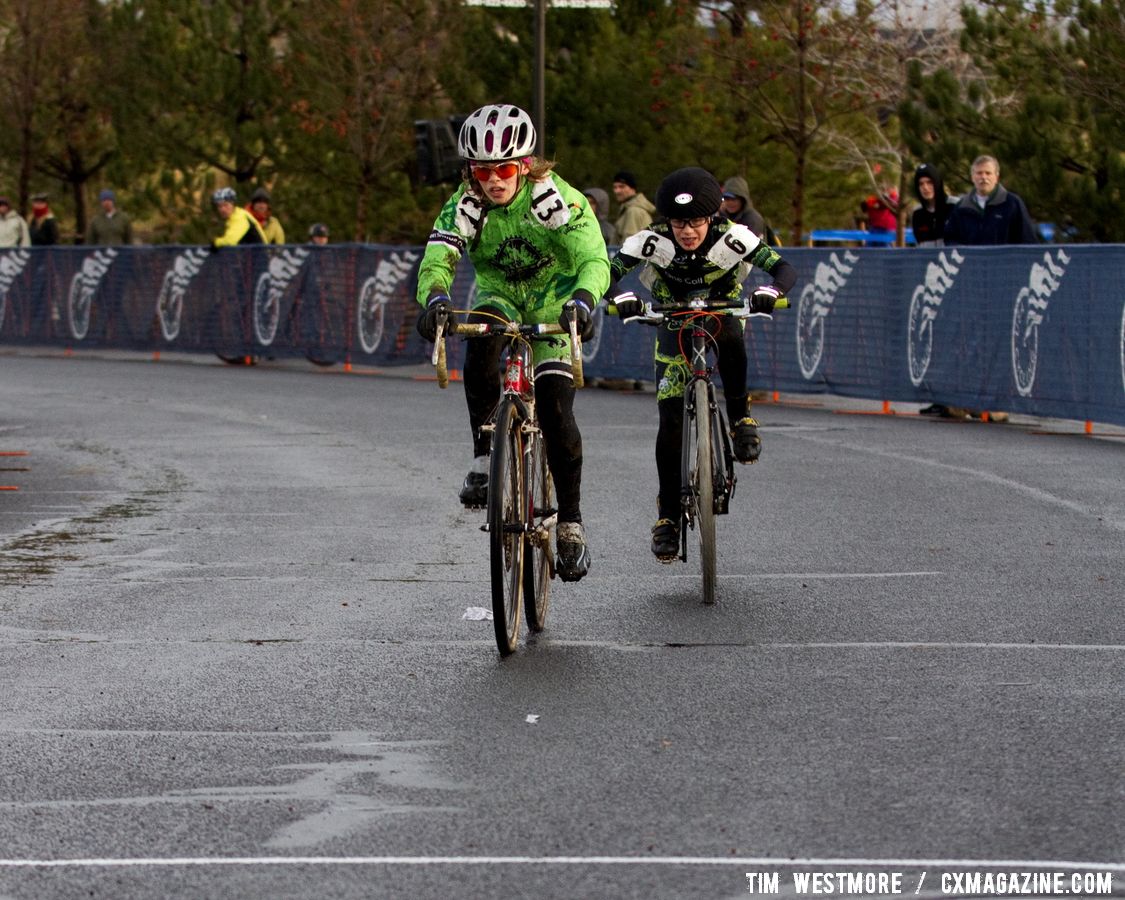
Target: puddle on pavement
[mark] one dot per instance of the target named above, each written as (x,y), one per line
(40,553)
(349,781)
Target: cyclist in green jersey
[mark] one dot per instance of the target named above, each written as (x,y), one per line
(536,248)
(696,252)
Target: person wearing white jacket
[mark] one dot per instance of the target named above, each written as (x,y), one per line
(13,228)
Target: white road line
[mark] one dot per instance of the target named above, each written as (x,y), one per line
(784,862)
(766,576)
(316,574)
(1029,490)
(52,638)
(838,645)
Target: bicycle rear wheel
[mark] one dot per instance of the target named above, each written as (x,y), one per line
(703,487)
(537,565)
(506,513)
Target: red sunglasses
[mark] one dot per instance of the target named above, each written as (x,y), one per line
(503,171)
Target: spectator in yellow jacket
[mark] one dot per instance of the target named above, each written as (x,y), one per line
(260,208)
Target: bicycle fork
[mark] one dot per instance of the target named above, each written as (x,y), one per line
(537,522)
(722,456)
(722,468)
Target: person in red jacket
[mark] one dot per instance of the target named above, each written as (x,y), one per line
(882,214)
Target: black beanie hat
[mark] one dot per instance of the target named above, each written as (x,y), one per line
(626,177)
(688,194)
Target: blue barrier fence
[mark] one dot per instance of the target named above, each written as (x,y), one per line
(1038,330)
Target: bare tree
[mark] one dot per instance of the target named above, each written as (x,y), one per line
(50,100)
(898,40)
(25,44)
(790,63)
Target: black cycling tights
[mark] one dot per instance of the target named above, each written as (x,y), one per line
(554,396)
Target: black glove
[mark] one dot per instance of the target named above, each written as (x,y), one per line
(428,320)
(581,307)
(629,305)
(763,299)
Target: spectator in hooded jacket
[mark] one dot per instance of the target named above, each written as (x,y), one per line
(989,213)
(738,208)
(599,202)
(13,229)
(928,220)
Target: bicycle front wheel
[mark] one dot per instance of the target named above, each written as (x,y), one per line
(703,488)
(537,565)
(506,517)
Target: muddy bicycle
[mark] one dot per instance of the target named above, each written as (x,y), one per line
(521,511)
(707,475)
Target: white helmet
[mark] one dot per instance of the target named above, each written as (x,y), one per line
(496,132)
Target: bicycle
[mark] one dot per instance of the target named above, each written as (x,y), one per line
(521,513)
(707,476)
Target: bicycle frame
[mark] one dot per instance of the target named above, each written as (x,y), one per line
(723,478)
(518,386)
(521,511)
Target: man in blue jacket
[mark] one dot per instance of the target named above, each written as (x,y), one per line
(990,213)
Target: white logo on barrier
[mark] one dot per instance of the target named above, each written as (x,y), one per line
(11,264)
(1123,348)
(1027,315)
(815,304)
(82,289)
(924,305)
(170,300)
(376,292)
(284,266)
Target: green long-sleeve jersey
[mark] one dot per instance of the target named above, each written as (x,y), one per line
(530,256)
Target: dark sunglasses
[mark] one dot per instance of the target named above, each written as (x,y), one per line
(503,171)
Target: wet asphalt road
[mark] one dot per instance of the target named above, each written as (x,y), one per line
(231,628)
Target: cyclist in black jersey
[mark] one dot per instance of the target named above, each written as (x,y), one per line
(695,253)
